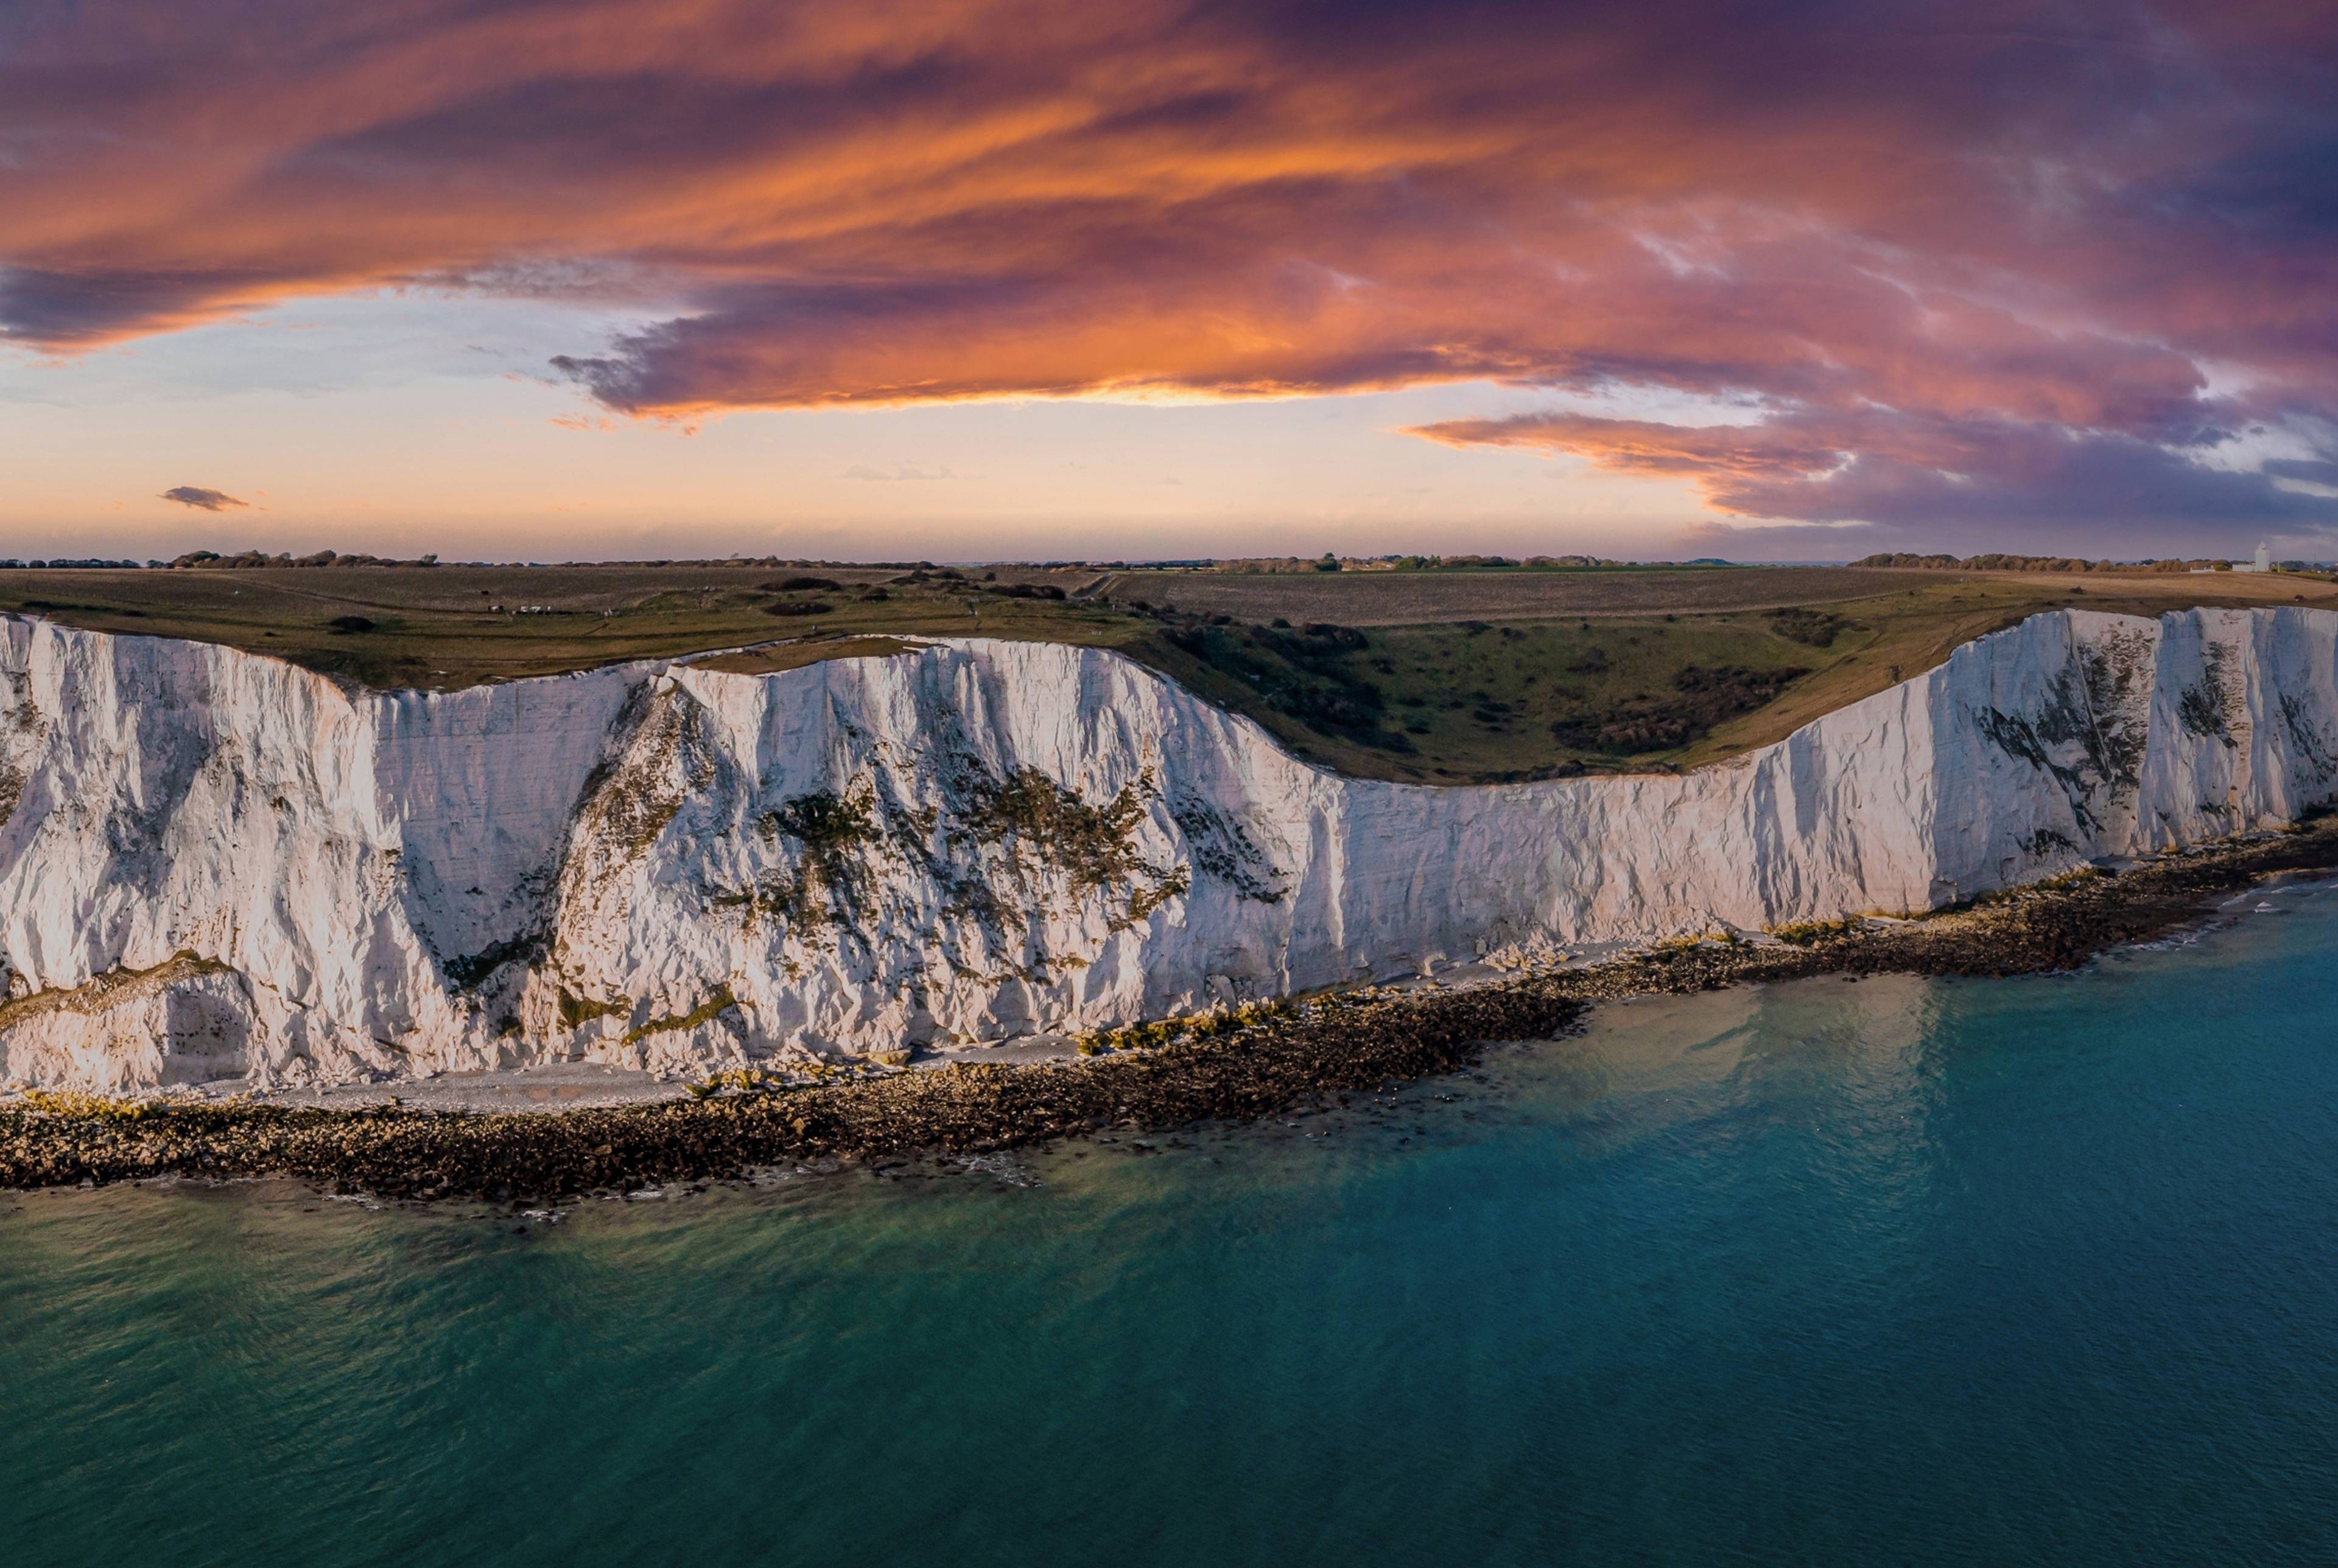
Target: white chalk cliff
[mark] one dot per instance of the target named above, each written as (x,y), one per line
(214,865)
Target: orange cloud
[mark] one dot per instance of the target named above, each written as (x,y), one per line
(1969,217)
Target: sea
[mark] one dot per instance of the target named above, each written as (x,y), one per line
(2036,1270)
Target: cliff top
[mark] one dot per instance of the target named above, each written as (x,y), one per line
(1433,676)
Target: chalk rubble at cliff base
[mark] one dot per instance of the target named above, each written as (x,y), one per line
(215,866)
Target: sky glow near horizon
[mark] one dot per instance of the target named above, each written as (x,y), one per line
(969,279)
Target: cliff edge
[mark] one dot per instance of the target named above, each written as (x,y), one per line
(216,866)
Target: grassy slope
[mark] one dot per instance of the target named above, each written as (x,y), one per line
(440,628)
(1371,599)
(1443,677)
(1913,629)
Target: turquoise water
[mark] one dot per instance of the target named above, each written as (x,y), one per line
(2037,1270)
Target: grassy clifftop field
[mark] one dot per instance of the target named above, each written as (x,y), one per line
(1442,676)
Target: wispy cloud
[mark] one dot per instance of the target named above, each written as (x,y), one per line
(1922,476)
(202,498)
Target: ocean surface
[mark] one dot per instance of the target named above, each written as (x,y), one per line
(2040,1270)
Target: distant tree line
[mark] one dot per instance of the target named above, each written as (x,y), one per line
(2057,564)
(247,560)
(1270,565)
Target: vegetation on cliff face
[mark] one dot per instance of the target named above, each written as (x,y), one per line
(2215,705)
(634,797)
(114,988)
(832,832)
(827,825)
(2311,742)
(575,1010)
(1039,823)
(1030,873)
(713,1007)
(1223,849)
(2088,733)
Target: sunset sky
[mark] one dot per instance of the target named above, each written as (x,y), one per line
(964,279)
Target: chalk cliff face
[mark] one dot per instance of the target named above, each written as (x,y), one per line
(214,865)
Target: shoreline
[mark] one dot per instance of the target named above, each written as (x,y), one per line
(1301,1054)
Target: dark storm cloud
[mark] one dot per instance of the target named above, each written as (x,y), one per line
(66,309)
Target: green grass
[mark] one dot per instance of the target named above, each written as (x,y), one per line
(1394,675)
(1474,700)
(715,1007)
(449,627)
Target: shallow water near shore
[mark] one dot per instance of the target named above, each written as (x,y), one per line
(1895,1271)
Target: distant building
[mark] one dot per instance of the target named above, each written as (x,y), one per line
(2264,562)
